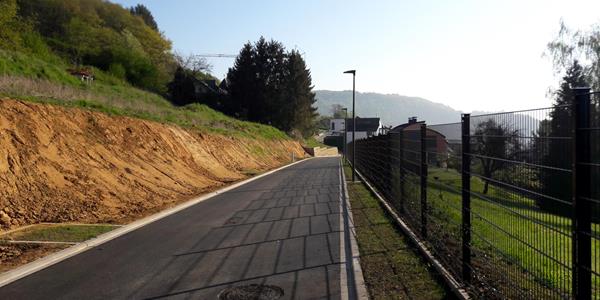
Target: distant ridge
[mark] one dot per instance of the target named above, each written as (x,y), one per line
(393,109)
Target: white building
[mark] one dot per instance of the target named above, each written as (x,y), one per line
(336,127)
(365,127)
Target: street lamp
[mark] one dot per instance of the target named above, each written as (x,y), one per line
(345,154)
(353,72)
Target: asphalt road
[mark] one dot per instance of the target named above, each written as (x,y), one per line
(284,229)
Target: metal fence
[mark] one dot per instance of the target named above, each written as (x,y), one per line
(509,202)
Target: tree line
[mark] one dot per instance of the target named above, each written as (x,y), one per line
(267,84)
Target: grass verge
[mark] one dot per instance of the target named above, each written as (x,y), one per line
(392,269)
(14,255)
(58,233)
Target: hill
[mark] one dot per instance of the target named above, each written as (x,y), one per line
(393,109)
(74,165)
(114,148)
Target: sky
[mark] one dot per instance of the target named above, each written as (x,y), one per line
(470,55)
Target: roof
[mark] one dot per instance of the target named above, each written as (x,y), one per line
(363,124)
(413,124)
(210,86)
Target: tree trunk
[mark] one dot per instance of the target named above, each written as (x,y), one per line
(485,186)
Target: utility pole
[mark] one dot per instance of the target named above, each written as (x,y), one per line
(353,72)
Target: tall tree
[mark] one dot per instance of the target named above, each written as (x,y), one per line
(571,46)
(552,146)
(271,86)
(300,97)
(143,12)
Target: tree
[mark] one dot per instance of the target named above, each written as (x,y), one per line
(197,65)
(181,88)
(571,47)
(552,146)
(143,12)
(271,86)
(495,145)
(299,98)
(337,111)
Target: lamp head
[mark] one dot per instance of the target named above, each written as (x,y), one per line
(353,72)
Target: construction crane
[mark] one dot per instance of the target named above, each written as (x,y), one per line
(217,55)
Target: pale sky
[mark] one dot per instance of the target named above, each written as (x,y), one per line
(470,55)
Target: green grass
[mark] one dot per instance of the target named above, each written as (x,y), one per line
(311,142)
(59,233)
(391,267)
(28,78)
(503,219)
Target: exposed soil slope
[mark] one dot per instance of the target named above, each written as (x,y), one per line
(59,164)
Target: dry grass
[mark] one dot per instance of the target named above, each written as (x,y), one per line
(128,101)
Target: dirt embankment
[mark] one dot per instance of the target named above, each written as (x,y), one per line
(60,164)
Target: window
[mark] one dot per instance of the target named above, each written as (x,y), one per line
(332,125)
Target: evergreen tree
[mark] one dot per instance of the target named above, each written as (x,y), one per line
(242,79)
(143,12)
(554,183)
(301,98)
(181,89)
(271,86)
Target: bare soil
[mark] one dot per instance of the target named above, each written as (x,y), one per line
(62,164)
(14,255)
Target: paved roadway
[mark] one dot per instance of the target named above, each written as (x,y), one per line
(284,229)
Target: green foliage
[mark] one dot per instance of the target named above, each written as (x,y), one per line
(142,11)
(28,78)
(117,70)
(495,144)
(92,32)
(574,47)
(272,86)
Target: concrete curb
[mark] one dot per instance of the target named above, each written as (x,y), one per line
(359,281)
(44,262)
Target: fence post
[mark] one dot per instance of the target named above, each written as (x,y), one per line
(423,180)
(401,170)
(582,247)
(466,197)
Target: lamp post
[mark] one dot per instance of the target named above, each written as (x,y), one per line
(353,72)
(345,109)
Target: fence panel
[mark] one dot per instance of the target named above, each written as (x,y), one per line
(521,203)
(530,179)
(444,151)
(594,199)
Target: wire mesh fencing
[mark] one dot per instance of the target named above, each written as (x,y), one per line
(509,202)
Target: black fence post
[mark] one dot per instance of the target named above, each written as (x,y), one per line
(466,197)
(424,180)
(582,247)
(401,170)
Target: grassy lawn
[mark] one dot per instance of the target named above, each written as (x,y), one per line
(391,266)
(28,78)
(510,232)
(58,233)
